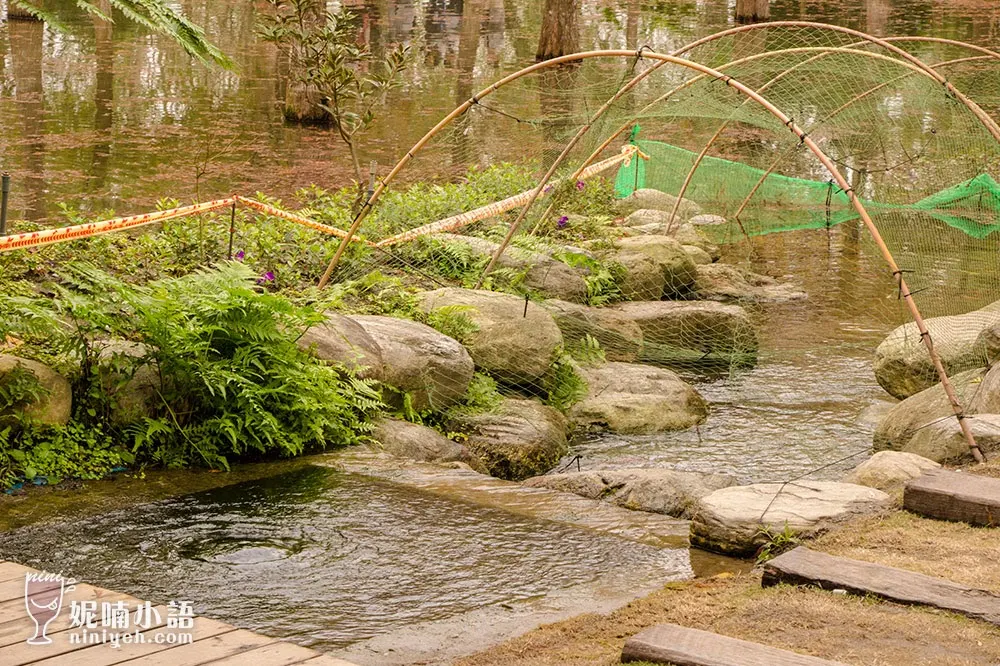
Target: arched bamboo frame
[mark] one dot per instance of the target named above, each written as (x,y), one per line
(768,106)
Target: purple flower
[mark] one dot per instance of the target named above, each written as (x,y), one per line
(561,223)
(580,185)
(266,277)
(240,255)
(548,188)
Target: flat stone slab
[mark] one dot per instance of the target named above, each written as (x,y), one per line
(681,646)
(957,496)
(808,567)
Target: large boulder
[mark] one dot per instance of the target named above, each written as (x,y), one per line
(644,216)
(668,491)
(724,282)
(131,382)
(620,338)
(340,339)
(738,519)
(54,403)
(688,234)
(523,438)
(542,273)
(647,198)
(902,365)
(631,398)
(678,269)
(516,341)
(432,368)
(978,390)
(889,470)
(417,442)
(693,332)
(943,440)
(706,220)
(698,255)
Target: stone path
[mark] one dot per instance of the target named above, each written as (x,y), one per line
(205,641)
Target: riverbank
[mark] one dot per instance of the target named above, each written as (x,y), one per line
(854,630)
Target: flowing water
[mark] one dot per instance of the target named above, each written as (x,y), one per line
(329,559)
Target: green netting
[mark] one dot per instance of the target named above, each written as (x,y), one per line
(790,204)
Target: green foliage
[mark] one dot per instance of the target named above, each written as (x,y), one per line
(604,279)
(232,381)
(154,15)
(776,542)
(453,321)
(74,451)
(482,396)
(19,387)
(564,386)
(588,351)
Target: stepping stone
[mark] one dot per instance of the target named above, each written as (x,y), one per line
(808,567)
(672,644)
(958,496)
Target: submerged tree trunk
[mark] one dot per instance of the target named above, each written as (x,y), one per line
(26,50)
(560,29)
(104,95)
(18,13)
(752,11)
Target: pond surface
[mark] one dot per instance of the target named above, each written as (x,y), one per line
(328,559)
(101,116)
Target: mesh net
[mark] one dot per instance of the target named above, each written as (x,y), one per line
(724,313)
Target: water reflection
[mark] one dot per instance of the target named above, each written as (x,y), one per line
(107,116)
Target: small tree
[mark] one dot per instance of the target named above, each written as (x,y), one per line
(341,78)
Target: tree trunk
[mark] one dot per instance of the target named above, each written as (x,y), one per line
(104,95)
(16,13)
(26,51)
(560,29)
(752,11)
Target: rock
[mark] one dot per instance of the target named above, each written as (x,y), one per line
(989,342)
(706,220)
(524,438)
(943,440)
(340,339)
(668,491)
(54,407)
(647,198)
(698,255)
(631,398)
(889,470)
(417,442)
(542,273)
(686,332)
(903,366)
(724,282)
(647,216)
(620,338)
(432,368)
(514,343)
(644,278)
(977,390)
(134,397)
(732,520)
(678,270)
(688,234)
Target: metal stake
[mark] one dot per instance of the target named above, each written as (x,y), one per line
(4,195)
(232,230)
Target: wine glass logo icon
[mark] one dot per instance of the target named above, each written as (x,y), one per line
(43,597)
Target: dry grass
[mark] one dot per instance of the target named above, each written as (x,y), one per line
(955,551)
(991,468)
(848,629)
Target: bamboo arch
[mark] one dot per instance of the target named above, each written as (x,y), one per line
(828,164)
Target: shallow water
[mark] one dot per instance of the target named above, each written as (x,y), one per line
(329,559)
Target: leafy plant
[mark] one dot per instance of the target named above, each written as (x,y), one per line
(453,321)
(588,351)
(564,386)
(775,543)
(19,387)
(349,81)
(77,451)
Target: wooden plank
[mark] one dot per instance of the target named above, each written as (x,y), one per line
(205,651)
(681,646)
(18,629)
(11,570)
(273,654)
(957,496)
(104,654)
(807,567)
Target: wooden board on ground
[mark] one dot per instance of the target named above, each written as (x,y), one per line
(957,496)
(206,641)
(681,646)
(807,567)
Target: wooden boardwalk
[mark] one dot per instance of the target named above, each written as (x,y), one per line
(207,641)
